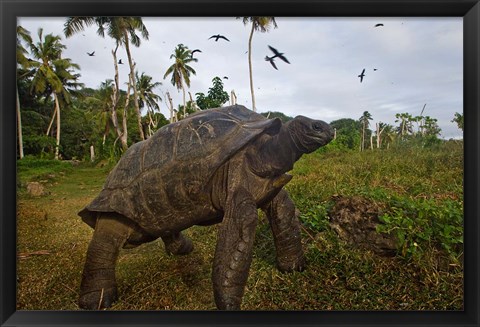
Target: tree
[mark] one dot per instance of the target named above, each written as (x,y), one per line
(382,128)
(180,70)
(348,133)
(23,65)
(123,31)
(262,24)
(148,98)
(431,127)
(53,75)
(406,126)
(388,135)
(458,118)
(364,120)
(216,96)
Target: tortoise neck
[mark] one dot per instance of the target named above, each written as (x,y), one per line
(276,154)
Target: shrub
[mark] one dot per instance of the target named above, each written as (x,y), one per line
(419,224)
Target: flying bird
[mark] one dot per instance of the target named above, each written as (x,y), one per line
(120,62)
(270,59)
(375,69)
(225,77)
(362,75)
(196,50)
(91,54)
(377,25)
(278,54)
(218,36)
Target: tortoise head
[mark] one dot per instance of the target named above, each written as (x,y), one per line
(309,134)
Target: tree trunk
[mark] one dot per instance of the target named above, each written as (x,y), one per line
(124,136)
(19,128)
(184,102)
(194,105)
(57,109)
(51,122)
(233,98)
(115,97)
(92,153)
(362,144)
(172,119)
(379,134)
(134,86)
(250,66)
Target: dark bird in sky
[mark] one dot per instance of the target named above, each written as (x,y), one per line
(225,77)
(377,25)
(362,75)
(218,36)
(120,62)
(375,69)
(278,54)
(91,54)
(270,59)
(196,50)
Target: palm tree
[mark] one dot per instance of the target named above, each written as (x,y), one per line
(24,63)
(53,75)
(180,70)
(148,98)
(389,135)
(364,120)
(262,24)
(104,96)
(405,126)
(123,31)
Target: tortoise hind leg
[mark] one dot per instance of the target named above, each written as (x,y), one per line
(98,287)
(286,232)
(177,244)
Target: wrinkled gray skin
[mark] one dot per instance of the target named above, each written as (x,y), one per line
(216,166)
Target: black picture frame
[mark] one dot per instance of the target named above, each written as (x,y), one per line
(10,10)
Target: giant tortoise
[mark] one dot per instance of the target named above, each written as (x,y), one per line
(215,166)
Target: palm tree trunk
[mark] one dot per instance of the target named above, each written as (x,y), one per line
(184,102)
(19,127)
(363,138)
(57,109)
(115,96)
(123,138)
(250,66)
(171,107)
(51,122)
(134,86)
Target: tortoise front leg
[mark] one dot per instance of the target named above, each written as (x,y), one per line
(233,253)
(98,288)
(286,232)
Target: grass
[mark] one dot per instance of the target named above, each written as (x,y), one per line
(52,242)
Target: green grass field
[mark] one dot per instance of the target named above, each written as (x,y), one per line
(420,189)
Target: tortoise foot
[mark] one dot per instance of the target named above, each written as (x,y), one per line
(292,265)
(178,245)
(98,299)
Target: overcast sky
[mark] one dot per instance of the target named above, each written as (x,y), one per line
(418,61)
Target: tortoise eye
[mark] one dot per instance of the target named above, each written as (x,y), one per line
(317,126)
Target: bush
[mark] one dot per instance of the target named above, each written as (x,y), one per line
(419,224)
